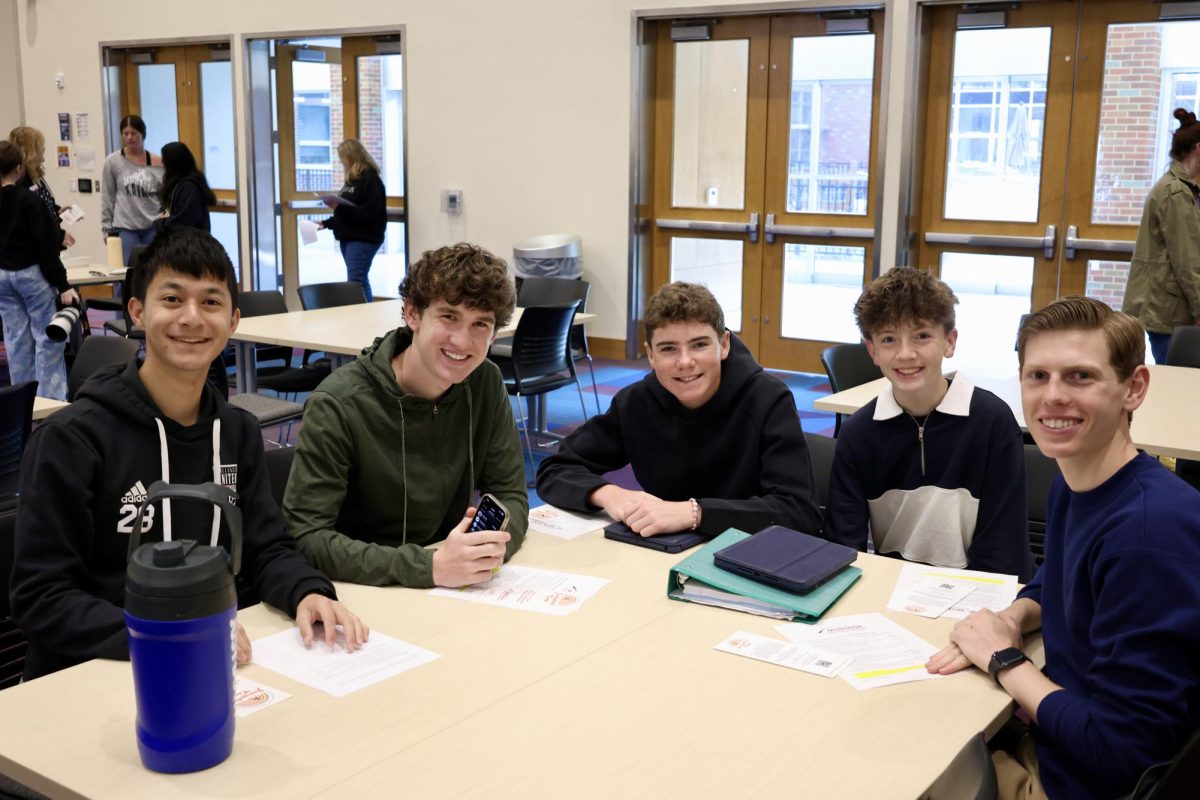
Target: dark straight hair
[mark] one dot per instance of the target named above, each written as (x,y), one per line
(133,121)
(179,165)
(189,251)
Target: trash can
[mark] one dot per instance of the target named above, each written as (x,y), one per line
(557,255)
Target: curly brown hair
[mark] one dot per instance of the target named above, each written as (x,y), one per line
(461,274)
(904,295)
(682,302)
(1186,136)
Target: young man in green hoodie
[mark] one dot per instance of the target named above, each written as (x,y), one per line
(395,444)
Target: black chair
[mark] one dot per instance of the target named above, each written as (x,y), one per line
(552,291)
(541,361)
(284,379)
(279,467)
(848,365)
(1040,472)
(124,326)
(12,641)
(1176,780)
(16,420)
(1185,352)
(331,295)
(820,452)
(97,352)
(970,776)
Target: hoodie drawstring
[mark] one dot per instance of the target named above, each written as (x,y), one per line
(216,524)
(165,468)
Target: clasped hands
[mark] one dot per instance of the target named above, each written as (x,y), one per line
(644,513)
(973,640)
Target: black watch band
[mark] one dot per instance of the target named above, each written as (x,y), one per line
(1004,659)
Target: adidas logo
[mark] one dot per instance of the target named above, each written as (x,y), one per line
(135,495)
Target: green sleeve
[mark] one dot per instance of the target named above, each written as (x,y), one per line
(503,471)
(316,489)
(1181,229)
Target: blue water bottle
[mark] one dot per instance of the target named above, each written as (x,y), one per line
(180,608)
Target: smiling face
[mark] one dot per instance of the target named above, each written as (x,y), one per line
(1075,405)
(910,355)
(187,321)
(686,358)
(449,342)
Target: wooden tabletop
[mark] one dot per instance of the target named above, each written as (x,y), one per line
(85,275)
(623,698)
(1165,425)
(344,330)
(44,406)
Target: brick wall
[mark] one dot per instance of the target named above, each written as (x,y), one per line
(1106,281)
(846,124)
(370,106)
(1125,168)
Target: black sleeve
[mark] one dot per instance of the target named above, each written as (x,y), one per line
(1001,540)
(566,478)
(270,561)
(55,536)
(186,206)
(788,493)
(847,517)
(48,237)
(370,200)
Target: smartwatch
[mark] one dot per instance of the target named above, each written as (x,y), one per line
(1004,659)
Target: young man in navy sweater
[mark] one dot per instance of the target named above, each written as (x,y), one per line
(933,468)
(1118,597)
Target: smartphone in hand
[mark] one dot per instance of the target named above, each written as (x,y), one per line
(491,515)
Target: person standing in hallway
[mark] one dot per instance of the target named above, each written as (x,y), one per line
(185,192)
(129,188)
(359,222)
(1163,291)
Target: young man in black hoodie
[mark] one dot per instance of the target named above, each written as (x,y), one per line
(714,441)
(87,469)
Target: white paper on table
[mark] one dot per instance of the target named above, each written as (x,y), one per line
(564,524)
(250,696)
(785,654)
(71,214)
(308,231)
(992,589)
(338,672)
(884,653)
(530,589)
(932,596)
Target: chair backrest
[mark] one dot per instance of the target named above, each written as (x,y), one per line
(970,775)
(16,420)
(279,467)
(1185,347)
(1176,780)
(552,291)
(260,304)
(8,528)
(540,343)
(1040,472)
(135,255)
(331,295)
(97,352)
(820,452)
(848,365)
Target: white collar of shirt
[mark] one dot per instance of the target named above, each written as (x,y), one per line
(957,400)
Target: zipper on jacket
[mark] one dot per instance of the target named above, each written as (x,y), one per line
(435,409)
(921,439)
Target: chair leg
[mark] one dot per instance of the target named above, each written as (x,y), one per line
(582,405)
(524,425)
(595,392)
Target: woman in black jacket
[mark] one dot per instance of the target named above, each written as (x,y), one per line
(33,145)
(185,193)
(359,223)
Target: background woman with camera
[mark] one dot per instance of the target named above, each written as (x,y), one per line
(32,278)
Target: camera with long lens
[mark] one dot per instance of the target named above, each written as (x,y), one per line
(61,323)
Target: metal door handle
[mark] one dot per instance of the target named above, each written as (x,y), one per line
(1044,243)
(1074,243)
(813,231)
(749,227)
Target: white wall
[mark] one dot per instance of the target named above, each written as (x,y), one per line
(524,105)
(11,111)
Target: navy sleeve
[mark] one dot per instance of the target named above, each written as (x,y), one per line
(1145,675)
(54,540)
(187,206)
(847,518)
(1001,540)
(787,495)
(566,478)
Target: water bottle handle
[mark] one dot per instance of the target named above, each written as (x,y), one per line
(222,497)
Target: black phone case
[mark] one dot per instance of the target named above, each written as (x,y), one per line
(666,543)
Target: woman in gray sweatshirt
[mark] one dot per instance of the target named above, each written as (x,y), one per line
(132,177)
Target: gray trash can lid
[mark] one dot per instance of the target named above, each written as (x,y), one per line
(554,245)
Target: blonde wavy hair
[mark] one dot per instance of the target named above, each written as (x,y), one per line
(32,142)
(352,152)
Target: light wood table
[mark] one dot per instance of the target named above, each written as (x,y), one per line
(340,332)
(86,275)
(44,406)
(623,698)
(1166,425)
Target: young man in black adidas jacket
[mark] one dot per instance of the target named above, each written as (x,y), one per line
(86,471)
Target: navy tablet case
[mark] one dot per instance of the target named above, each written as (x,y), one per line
(782,557)
(667,542)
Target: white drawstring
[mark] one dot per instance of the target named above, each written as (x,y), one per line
(216,525)
(166,477)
